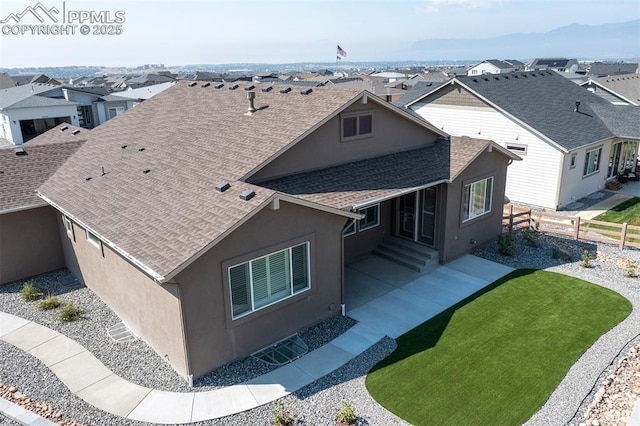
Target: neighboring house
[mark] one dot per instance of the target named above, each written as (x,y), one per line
(553,64)
(212,219)
(619,89)
(601,69)
(571,140)
(492,66)
(29,227)
(29,110)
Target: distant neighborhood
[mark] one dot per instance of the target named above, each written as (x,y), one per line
(235,199)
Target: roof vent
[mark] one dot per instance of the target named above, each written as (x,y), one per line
(285,90)
(267,89)
(247,194)
(145,171)
(124,147)
(251,96)
(20,151)
(75,132)
(249,88)
(486,79)
(193,83)
(222,186)
(63,128)
(88,178)
(219,86)
(515,76)
(306,91)
(234,87)
(496,78)
(475,80)
(207,84)
(141,149)
(577,106)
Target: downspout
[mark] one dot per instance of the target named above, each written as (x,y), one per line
(343,306)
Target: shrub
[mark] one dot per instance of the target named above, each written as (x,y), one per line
(346,415)
(49,302)
(69,312)
(506,244)
(30,292)
(530,236)
(281,417)
(630,269)
(585,261)
(558,253)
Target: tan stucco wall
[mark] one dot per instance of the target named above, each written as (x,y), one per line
(363,242)
(151,310)
(213,337)
(323,147)
(457,236)
(29,243)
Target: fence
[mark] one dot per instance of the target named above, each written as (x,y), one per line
(517,218)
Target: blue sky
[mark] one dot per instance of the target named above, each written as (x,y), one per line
(197,32)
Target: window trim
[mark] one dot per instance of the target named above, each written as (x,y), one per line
(253,309)
(358,115)
(585,172)
(98,243)
(469,185)
(373,225)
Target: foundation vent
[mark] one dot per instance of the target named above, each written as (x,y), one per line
(121,333)
(283,352)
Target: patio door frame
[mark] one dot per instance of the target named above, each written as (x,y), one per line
(416,216)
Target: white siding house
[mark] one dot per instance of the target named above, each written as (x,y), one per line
(491,66)
(570,140)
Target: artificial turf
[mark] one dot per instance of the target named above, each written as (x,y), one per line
(626,212)
(495,357)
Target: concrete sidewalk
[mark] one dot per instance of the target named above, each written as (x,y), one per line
(603,206)
(393,313)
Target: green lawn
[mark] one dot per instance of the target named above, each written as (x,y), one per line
(496,359)
(627,212)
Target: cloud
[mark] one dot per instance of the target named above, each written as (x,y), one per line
(434,6)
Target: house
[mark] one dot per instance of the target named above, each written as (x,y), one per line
(29,110)
(222,226)
(553,64)
(571,140)
(491,66)
(601,69)
(619,90)
(30,239)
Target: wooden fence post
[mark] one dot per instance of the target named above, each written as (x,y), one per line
(511,218)
(577,228)
(623,235)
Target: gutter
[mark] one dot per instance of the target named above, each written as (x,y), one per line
(377,200)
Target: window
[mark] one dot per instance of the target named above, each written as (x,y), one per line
(517,148)
(357,125)
(351,229)
(592,162)
(93,239)
(113,112)
(371,217)
(573,161)
(268,279)
(477,199)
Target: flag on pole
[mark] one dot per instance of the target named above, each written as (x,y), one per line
(341,52)
(338,58)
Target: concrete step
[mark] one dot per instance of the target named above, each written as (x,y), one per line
(400,259)
(405,252)
(411,246)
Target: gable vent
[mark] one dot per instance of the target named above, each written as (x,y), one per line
(267,89)
(219,86)
(193,83)
(234,87)
(206,84)
(63,128)
(248,88)
(222,186)
(75,132)
(20,152)
(247,194)
(306,91)
(285,90)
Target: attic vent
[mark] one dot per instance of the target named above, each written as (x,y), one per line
(145,171)
(75,132)
(234,87)
(193,83)
(285,90)
(248,88)
(475,80)
(524,75)
(247,194)
(206,84)
(63,128)
(486,79)
(222,186)
(496,78)
(533,75)
(515,76)
(20,151)
(141,149)
(219,86)
(549,73)
(506,77)
(306,91)
(124,147)
(267,89)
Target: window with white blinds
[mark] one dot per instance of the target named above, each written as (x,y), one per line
(265,280)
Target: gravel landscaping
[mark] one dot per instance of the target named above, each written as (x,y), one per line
(318,402)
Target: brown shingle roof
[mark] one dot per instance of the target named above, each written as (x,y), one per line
(21,175)
(193,138)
